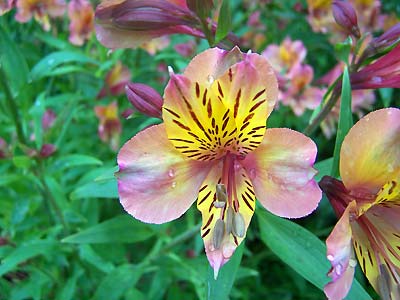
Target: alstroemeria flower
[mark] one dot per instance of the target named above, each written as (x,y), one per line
(130,23)
(81,15)
(40,10)
(6,6)
(300,95)
(109,124)
(368,204)
(214,147)
(115,81)
(285,56)
(384,72)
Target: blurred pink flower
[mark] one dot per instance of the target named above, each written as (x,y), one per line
(109,124)
(367,205)
(285,56)
(41,10)
(300,95)
(115,81)
(187,49)
(6,6)
(155,45)
(81,17)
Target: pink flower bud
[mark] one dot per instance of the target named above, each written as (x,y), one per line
(346,17)
(145,99)
(47,150)
(387,39)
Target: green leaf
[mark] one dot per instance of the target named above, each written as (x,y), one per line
(24,253)
(121,229)
(221,288)
(345,121)
(386,95)
(48,65)
(37,111)
(342,50)
(22,161)
(117,282)
(68,290)
(75,160)
(324,167)
(301,250)
(13,63)
(97,189)
(224,21)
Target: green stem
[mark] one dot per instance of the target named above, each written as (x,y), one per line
(48,197)
(12,107)
(323,113)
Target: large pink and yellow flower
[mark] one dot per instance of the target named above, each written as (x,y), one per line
(214,147)
(368,204)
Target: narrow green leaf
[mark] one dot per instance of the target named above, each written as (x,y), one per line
(37,110)
(23,253)
(221,288)
(345,121)
(301,250)
(97,189)
(13,63)
(324,167)
(117,282)
(121,229)
(68,289)
(342,50)
(224,21)
(75,160)
(386,95)
(48,65)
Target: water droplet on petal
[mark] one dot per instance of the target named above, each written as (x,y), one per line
(210,79)
(173,184)
(352,262)
(330,257)
(390,168)
(171,173)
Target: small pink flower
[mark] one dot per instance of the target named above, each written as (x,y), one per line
(109,124)
(285,56)
(115,81)
(367,203)
(300,95)
(81,17)
(41,10)
(214,147)
(6,6)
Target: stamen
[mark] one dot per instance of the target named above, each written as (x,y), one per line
(218,233)
(239,227)
(229,219)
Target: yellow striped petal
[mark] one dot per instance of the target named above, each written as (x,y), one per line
(220,248)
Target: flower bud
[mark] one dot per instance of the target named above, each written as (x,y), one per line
(389,38)
(145,99)
(47,150)
(346,17)
(218,233)
(238,225)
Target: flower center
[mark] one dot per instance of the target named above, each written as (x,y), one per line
(230,221)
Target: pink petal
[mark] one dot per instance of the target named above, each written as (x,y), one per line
(156,183)
(370,154)
(340,254)
(282,174)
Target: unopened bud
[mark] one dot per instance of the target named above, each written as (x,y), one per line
(389,38)
(229,219)
(218,233)
(346,17)
(238,225)
(145,99)
(47,150)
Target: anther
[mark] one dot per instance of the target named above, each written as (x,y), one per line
(229,219)
(221,196)
(238,225)
(218,233)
